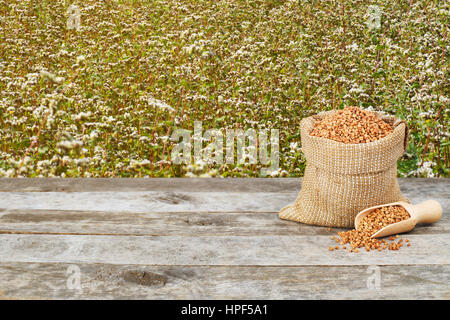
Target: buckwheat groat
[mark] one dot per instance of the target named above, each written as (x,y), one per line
(352,125)
(374,221)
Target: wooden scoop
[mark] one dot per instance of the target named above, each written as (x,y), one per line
(428,211)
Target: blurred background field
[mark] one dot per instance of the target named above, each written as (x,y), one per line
(102,101)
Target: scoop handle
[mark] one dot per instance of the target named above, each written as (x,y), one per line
(428,211)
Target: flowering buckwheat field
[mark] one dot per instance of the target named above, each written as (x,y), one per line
(96,88)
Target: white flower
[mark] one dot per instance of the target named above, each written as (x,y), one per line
(81,58)
(43,164)
(139,164)
(69,145)
(51,76)
(144,139)
(94,134)
(353,47)
(82,162)
(82,116)
(159,104)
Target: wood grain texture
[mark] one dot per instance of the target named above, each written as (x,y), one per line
(158,201)
(200,239)
(100,281)
(153,184)
(174,223)
(149,201)
(213,250)
(413,186)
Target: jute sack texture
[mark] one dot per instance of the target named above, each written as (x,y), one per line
(341,179)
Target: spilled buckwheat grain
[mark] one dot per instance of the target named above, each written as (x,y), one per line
(352,125)
(374,221)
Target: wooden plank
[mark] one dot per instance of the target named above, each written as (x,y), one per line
(153,184)
(99,281)
(157,201)
(150,201)
(146,213)
(150,223)
(412,186)
(213,250)
(175,223)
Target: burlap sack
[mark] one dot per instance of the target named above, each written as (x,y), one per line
(343,179)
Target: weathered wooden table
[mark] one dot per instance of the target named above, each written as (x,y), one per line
(199,239)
